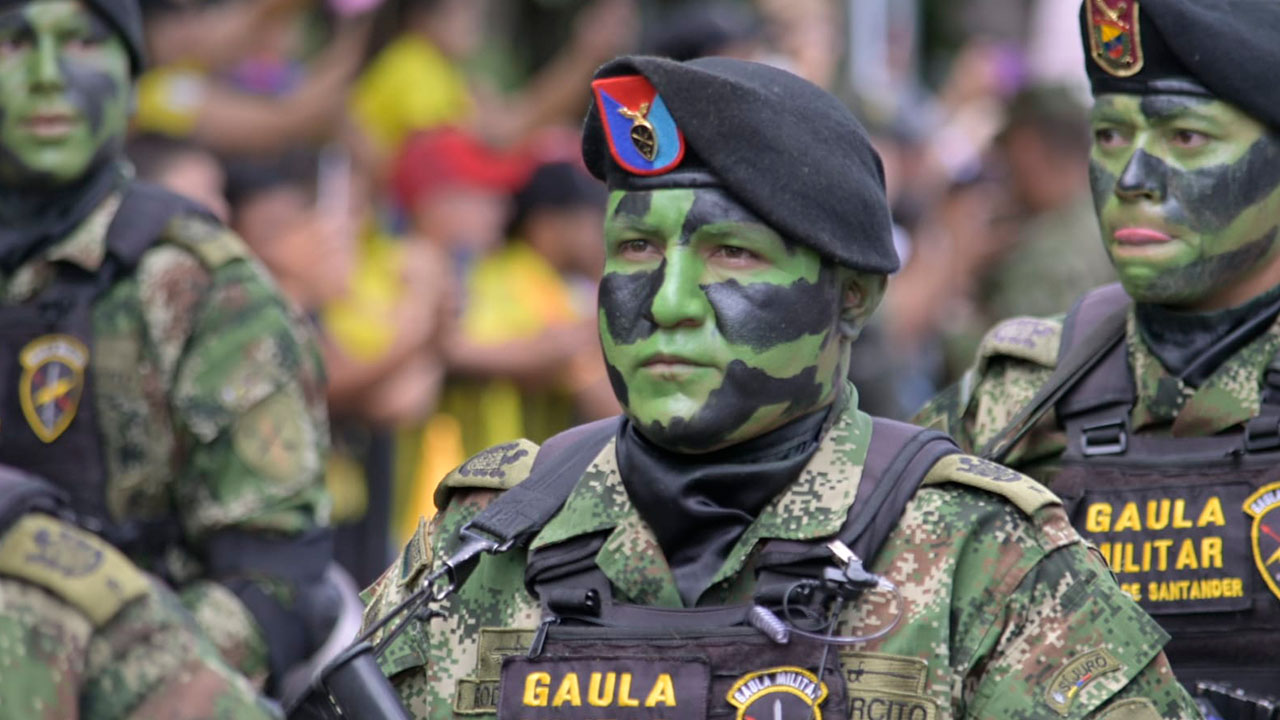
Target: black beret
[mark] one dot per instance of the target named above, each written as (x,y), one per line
(1229,48)
(786,149)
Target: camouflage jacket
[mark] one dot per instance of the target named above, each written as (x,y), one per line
(1002,598)
(85,634)
(1018,355)
(209,396)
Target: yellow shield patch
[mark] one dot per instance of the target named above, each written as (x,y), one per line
(781,693)
(1264,507)
(51,383)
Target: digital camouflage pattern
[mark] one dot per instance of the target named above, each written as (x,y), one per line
(1017,356)
(85,634)
(209,393)
(1002,598)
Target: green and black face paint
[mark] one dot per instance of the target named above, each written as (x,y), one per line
(64,93)
(715,329)
(1187,191)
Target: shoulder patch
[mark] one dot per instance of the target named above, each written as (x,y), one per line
(1079,671)
(501,467)
(417,553)
(1017,488)
(79,567)
(1025,338)
(214,244)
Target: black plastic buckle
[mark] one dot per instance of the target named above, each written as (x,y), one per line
(1262,433)
(492,544)
(1108,437)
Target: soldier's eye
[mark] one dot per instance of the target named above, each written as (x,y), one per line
(1189,139)
(636,248)
(1108,138)
(735,256)
(14,44)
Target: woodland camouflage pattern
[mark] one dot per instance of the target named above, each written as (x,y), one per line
(1001,594)
(210,400)
(127,655)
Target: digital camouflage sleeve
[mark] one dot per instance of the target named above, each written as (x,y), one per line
(85,634)
(211,403)
(1007,613)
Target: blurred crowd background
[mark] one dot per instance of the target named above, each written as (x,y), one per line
(408,170)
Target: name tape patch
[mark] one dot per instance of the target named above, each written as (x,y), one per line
(1175,549)
(604,688)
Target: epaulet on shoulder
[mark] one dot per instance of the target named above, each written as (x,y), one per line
(1025,338)
(213,244)
(77,566)
(1027,494)
(500,467)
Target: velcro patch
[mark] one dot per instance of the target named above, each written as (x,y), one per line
(886,686)
(1019,489)
(500,467)
(1067,683)
(79,567)
(478,693)
(1026,338)
(619,688)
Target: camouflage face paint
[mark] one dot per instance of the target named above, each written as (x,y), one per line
(715,329)
(1187,191)
(64,92)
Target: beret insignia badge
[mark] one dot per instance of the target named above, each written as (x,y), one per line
(1114,40)
(642,135)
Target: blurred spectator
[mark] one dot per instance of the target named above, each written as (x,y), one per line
(703,28)
(274,209)
(183,167)
(182,95)
(417,82)
(1057,250)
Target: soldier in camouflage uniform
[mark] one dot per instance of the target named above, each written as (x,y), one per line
(1161,436)
(731,294)
(86,634)
(147,364)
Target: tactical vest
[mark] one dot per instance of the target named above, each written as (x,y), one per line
(596,657)
(48,423)
(1190,526)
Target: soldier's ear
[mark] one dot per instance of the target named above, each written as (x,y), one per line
(861,294)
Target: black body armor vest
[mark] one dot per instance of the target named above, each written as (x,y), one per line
(48,423)
(634,661)
(1189,525)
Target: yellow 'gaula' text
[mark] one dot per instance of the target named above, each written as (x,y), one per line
(602,689)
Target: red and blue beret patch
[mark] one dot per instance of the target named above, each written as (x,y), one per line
(642,136)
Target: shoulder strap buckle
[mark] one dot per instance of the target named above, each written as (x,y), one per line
(489,542)
(1262,433)
(1105,437)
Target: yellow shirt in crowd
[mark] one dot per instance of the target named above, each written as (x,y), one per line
(410,86)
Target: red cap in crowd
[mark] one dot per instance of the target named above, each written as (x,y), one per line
(450,157)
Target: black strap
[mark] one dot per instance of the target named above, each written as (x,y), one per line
(519,513)
(145,211)
(21,493)
(1098,321)
(570,585)
(898,459)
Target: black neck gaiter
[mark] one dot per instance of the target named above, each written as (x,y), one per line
(33,218)
(699,505)
(1191,346)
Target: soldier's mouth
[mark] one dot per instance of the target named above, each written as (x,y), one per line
(50,125)
(662,360)
(1141,236)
